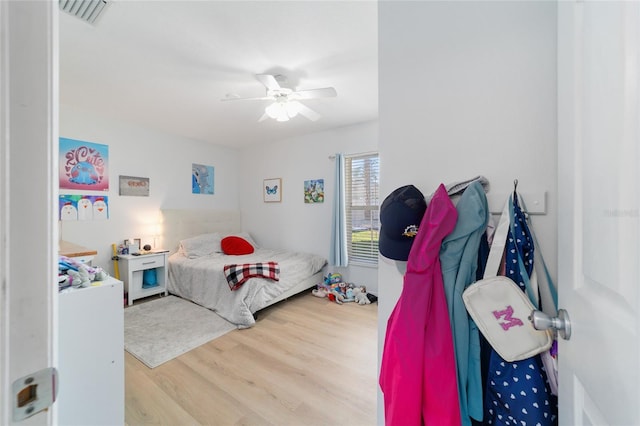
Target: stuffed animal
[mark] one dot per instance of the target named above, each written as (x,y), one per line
(335,296)
(320,292)
(100,275)
(360,294)
(79,278)
(85,275)
(341,293)
(333,278)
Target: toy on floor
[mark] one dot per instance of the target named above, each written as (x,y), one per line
(330,281)
(335,289)
(320,291)
(341,293)
(361,295)
(333,278)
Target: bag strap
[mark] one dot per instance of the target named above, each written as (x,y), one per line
(498,244)
(548,292)
(531,286)
(540,276)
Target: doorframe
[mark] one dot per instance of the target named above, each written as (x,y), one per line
(28,217)
(4,258)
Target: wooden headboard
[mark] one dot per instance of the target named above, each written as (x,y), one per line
(180,224)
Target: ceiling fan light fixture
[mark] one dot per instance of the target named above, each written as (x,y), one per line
(282,110)
(272,110)
(292,108)
(277,111)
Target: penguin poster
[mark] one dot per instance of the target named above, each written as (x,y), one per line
(83,165)
(83,207)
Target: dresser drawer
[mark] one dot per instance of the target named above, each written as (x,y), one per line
(146,262)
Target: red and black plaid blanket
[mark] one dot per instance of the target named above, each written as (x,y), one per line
(238,273)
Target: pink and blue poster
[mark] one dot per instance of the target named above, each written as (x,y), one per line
(83,165)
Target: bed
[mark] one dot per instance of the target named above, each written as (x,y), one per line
(196,266)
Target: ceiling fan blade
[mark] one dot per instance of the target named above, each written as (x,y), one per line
(308,112)
(264,117)
(269,81)
(233,98)
(325,92)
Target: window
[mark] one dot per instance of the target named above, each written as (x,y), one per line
(362,183)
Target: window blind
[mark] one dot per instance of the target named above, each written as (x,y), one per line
(362,181)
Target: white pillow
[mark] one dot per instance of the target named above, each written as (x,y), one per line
(200,245)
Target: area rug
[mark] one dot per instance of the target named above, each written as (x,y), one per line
(162,329)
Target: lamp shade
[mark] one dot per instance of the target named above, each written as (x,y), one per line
(273,110)
(292,107)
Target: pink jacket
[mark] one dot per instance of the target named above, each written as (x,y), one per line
(418,370)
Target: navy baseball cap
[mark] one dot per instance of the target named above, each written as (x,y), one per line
(400,216)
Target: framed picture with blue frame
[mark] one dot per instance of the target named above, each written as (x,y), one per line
(272,190)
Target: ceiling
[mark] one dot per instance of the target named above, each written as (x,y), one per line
(167,65)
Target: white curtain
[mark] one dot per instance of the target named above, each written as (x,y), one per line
(338,254)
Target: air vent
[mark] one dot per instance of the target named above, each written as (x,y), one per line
(87,10)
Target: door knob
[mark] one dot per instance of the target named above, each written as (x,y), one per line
(561,323)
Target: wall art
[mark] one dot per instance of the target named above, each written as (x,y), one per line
(272,190)
(202,179)
(83,207)
(134,186)
(83,165)
(314,191)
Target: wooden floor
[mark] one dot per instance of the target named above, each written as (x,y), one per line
(307,361)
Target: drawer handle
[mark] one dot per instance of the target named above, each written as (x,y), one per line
(148,263)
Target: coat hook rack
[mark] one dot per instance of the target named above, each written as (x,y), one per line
(536,200)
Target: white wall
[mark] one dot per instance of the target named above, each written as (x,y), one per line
(466,89)
(292,223)
(165,159)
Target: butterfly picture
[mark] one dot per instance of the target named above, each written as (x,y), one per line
(272,189)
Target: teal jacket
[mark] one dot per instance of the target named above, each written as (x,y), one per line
(459,260)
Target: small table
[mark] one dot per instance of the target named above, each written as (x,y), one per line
(78,252)
(132,269)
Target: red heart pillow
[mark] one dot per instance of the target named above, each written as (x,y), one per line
(235,245)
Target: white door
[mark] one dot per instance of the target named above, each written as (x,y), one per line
(28,193)
(598,210)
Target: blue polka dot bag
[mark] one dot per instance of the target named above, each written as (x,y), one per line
(518,392)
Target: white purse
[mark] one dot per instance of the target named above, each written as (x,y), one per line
(501,310)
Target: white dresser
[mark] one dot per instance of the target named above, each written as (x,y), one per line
(91,355)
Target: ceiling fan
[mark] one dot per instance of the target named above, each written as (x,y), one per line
(286,102)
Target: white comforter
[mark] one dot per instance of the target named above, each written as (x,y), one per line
(202,281)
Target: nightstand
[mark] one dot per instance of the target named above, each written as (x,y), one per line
(132,270)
